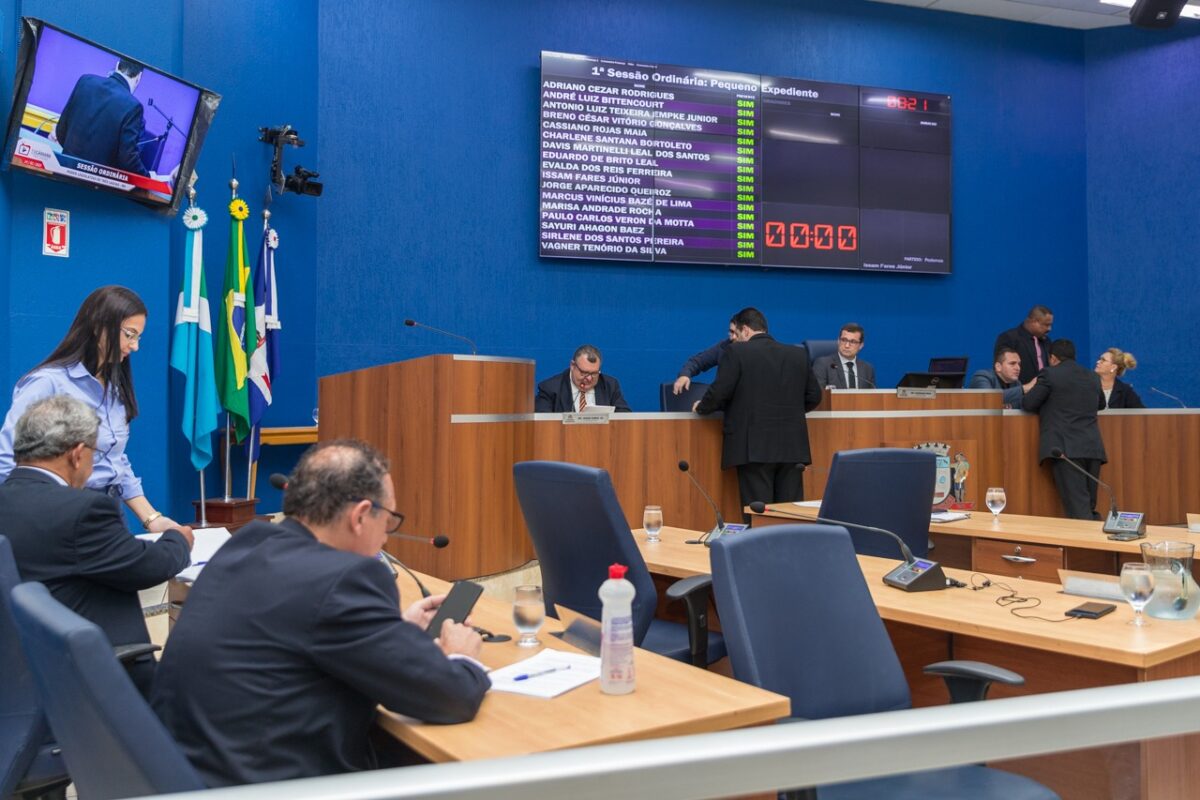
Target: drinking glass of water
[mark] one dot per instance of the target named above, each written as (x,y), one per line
(996,501)
(316,416)
(652,521)
(529,612)
(1137,584)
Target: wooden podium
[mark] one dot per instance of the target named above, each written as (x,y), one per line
(450,479)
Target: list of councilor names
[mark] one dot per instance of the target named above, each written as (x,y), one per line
(646,162)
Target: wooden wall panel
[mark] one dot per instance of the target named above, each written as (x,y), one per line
(455,478)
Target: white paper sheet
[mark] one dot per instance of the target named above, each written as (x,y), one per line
(570,671)
(208,542)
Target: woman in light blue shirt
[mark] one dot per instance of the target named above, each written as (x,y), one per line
(91,363)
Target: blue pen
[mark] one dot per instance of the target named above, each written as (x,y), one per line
(529,675)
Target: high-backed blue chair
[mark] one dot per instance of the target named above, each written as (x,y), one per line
(113,744)
(792,636)
(819,347)
(578,529)
(884,487)
(669,401)
(30,764)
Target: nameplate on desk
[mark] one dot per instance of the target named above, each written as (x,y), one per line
(916,392)
(596,415)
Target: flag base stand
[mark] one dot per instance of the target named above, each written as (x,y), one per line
(232,513)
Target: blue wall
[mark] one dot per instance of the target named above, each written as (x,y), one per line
(441,218)
(1142,126)
(261,56)
(422,118)
(112,240)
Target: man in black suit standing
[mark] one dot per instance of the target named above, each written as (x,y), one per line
(293,635)
(103,122)
(580,386)
(75,540)
(1066,398)
(765,388)
(1031,342)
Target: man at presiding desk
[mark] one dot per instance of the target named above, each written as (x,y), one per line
(293,634)
(580,386)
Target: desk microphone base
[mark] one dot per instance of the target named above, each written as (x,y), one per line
(919,576)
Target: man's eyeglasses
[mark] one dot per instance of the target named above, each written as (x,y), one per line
(844,340)
(584,374)
(397,518)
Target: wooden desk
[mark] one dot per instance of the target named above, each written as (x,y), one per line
(671,699)
(299,434)
(978,543)
(960,623)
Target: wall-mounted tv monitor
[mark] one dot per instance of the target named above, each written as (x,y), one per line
(661,163)
(84,113)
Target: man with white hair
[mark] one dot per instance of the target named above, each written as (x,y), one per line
(75,540)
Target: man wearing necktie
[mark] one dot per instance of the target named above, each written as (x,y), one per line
(845,370)
(1031,341)
(580,386)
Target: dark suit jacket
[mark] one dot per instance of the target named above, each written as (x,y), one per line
(828,370)
(1123,396)
(76,543)
(765,388)
(1021,340)
(103,122)
(988,379)
(283,650)
(704,360)
(554,394)
(1067,398)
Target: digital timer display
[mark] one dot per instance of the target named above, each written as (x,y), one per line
(662,163)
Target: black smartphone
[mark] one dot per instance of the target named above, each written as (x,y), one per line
(1091,610)
(457,605)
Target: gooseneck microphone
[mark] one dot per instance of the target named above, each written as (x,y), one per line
(1131,525)
(1112,500)
(709,536)
(1156,390)
(391,559)
(914,575)
(858,378)
(279,481)
(412,323)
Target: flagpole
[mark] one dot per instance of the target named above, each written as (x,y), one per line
(233,187)
(203,502)
(251,440)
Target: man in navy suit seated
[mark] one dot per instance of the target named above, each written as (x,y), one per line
(580,386)
(293,634)
(75,540)
(103,122)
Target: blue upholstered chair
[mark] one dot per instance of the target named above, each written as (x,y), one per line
(819,347)
(884,487)
(30,764)
(113,744)
(669,401)
(788,595)
(578,529)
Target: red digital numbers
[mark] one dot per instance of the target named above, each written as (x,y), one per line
(804,235)
(906,103)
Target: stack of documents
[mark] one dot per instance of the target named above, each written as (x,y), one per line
(208,542)
(948,516)
(548,674)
